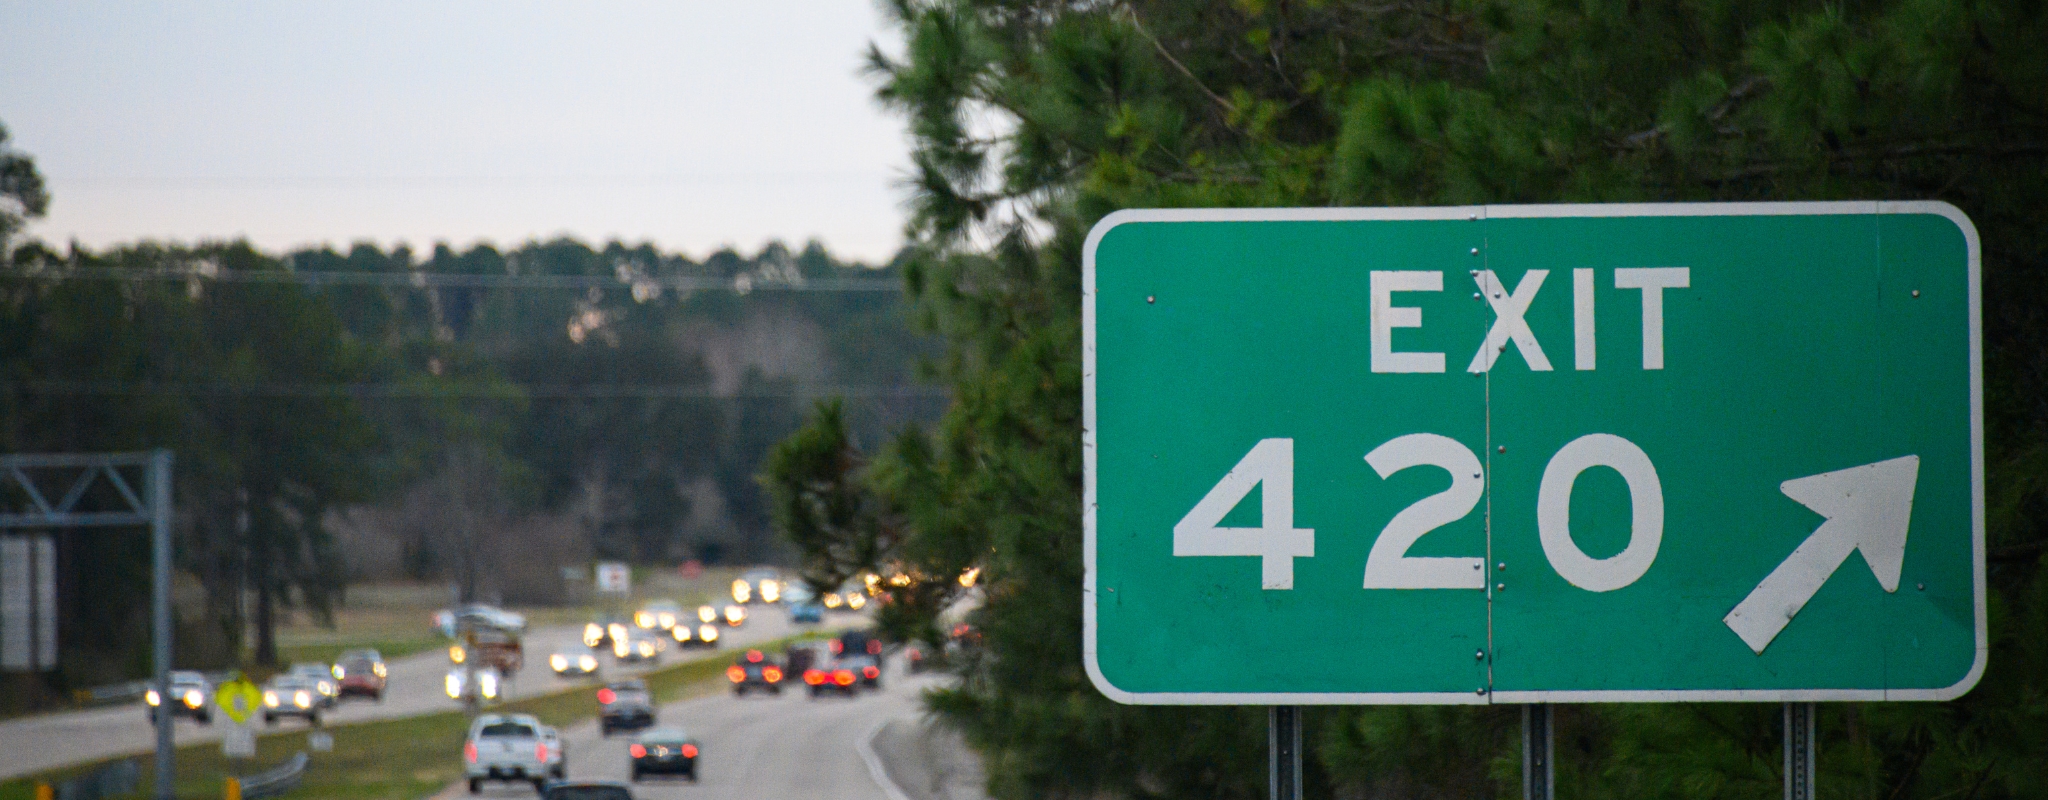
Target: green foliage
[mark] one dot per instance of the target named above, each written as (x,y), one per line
(22,195)
(1032,119)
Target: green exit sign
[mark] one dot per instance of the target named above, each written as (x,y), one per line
(1514,454)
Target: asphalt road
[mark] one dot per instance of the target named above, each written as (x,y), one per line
(33,744)
(788,746)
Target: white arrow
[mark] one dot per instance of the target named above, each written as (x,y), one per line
(1867,508)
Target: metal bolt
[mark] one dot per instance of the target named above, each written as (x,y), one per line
(1474,217)
(1503,448)
(1150,298)
(1472,272)
(1500,587)
(1475,295)
(1916,292)
(1481,655)
(1475,251)
(1923,587)
(1496,295)
(1481,691)
(1502,566)
(1476,566)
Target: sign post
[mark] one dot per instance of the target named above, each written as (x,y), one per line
(1534,454)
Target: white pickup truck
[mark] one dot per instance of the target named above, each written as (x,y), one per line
(513,747)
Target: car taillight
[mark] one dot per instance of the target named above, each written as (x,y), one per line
(469,751)
(874,647)
(606,696)
(754,656)
(843,677)
(871,672)
(837,646)
(689,751)
(772,674)
(637,751)
(735,673)
(813,677)
(540,752)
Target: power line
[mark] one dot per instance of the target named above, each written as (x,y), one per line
(471,391)
(742,284)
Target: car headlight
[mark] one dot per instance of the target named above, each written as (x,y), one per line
(620,648)
(339,673)
(856,600)
(618,630)
(734,615)
(270,699)
(832,600)
(457,654)
(588,663)
(487,685)
(668,620)
(301,699)
(378,668)
(770,592)
(559,662)
(647,649)
(193,699)
(706,613)
(644,619)
(325,687)
(592,634)
(741,591)
(453,684)
(708,633)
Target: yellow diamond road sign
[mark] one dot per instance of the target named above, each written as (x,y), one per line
(238,699)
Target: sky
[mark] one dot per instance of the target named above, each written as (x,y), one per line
(690,124)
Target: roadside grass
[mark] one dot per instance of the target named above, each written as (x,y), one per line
(398,759)
(390,649)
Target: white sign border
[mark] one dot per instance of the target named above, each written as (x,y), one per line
(1089,592)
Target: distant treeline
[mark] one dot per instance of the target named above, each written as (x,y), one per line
(562,403)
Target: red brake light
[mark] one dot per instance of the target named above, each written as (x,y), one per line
(689,751)
(754,656)
(637,751)
(874,647)
(843,677)
(469,751)
(772,674)
(607,696)
(813,677)
(735,673)
(871,672)
(837,646)
(540,752)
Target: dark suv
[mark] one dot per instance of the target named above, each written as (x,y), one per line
(755,670)
(624,706)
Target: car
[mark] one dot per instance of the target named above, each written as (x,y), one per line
(361,673)
(703,634)
(512,747)
(586,790)
(289,695)
(758,585)
(624,705)
(855,642)
(802,605)
(639,646)
(664,750)
(754,670)
(322,677)
(915,660)
(867,668)
(601,632)
(834,677)
(732,615)
(853,596)
(801,656)
(190,697)
(572,665)
(658,615)
(478,685)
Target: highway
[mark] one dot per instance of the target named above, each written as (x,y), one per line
(33,744)
(786,746)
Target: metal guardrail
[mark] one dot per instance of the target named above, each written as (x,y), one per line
(276,780)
